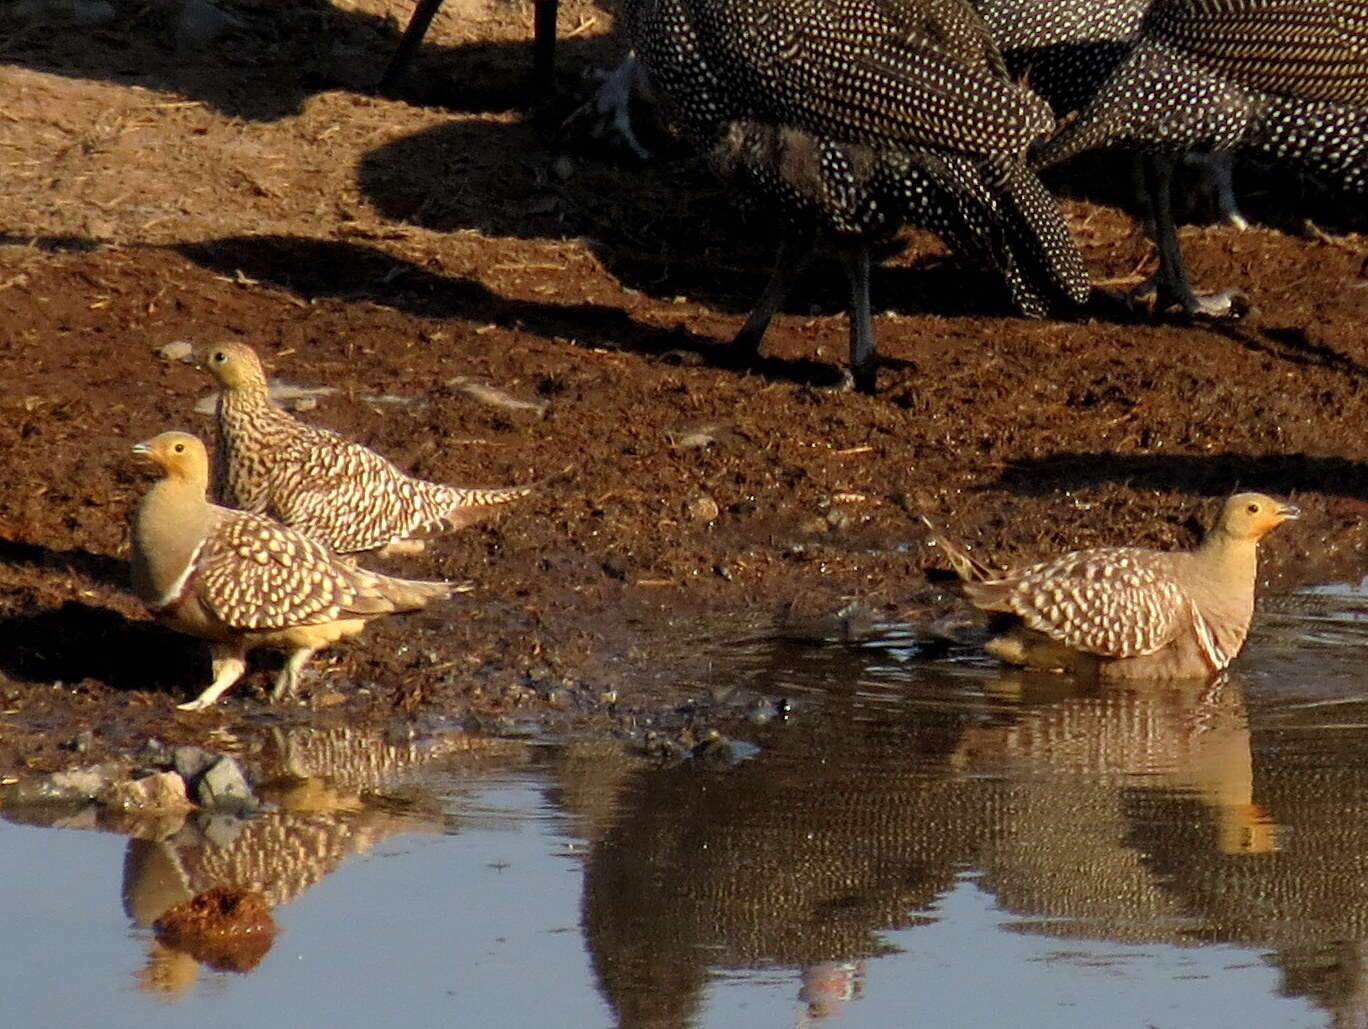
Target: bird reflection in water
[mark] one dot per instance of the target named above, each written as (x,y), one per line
(324,788)
(1049,794)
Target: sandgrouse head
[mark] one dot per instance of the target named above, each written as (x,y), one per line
(180,455)
(236,365)
(1251,516)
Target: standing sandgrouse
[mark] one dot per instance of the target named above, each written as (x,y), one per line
(851,118)
(1129,612)
(339,492)
(242,581)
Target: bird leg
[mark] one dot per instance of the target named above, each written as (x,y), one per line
(1217,172)
(423,13)
(863,359)
(607,115)
(789,262)
(228,665)
(401,548)
(288,680)
(1170,282)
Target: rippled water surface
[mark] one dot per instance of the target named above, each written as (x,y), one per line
(920,842)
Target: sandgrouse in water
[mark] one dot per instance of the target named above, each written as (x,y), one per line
(242,581)
(1129,612)
(337,491)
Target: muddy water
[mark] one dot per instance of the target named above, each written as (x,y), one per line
(918,841)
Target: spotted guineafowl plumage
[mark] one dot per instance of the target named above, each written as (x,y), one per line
(1286,77)
(1064,50)
(854,117)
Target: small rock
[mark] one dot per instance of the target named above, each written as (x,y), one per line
(223,787)
(704,509)
(191,762)
(226,929)
(75,786)
(304,404)
(717,751)
(176,350)
(201,23)
(161,791)
(837,518)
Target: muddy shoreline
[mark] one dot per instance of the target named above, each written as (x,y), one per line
(397,251)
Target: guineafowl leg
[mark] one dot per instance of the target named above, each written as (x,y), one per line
(418,24)
(794,250)
(863,363)
(1172,288)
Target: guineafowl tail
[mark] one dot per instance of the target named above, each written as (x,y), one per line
(995,210)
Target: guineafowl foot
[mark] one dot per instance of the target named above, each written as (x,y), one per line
(606,117)
(860,380)
(1162,299)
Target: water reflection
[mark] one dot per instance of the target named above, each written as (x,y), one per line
(1171,817)
(328,794)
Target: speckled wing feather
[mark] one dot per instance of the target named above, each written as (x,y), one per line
(353,499)
(846,70)
(1112,601)
(254,574)
(1304,50)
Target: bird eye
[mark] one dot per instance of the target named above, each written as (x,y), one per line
(1253,509)
(220,356)
(179,448)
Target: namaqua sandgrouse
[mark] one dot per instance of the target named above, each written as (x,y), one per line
(339,492)
(1129,612)
(242,581)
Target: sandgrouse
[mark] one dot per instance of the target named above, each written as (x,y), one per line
(242,581)
(1129,612)
(339,492)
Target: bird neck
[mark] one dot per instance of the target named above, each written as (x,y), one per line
(1230,559)
(244,397)
(171,523)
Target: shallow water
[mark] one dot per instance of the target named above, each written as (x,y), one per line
(918,841)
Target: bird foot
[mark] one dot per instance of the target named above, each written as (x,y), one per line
(858,380)
(607,115)
(198,704)
(1227,305)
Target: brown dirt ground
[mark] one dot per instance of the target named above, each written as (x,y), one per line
(254,190)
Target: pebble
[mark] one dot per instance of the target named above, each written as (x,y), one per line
(224,788)
(704,509)
(160,791)
(78,785)
(176,350)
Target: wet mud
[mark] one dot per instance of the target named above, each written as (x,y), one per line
(495,306)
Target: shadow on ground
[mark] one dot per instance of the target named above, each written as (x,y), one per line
(283,53)
(78,641)
(1212,475)
(314,269)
